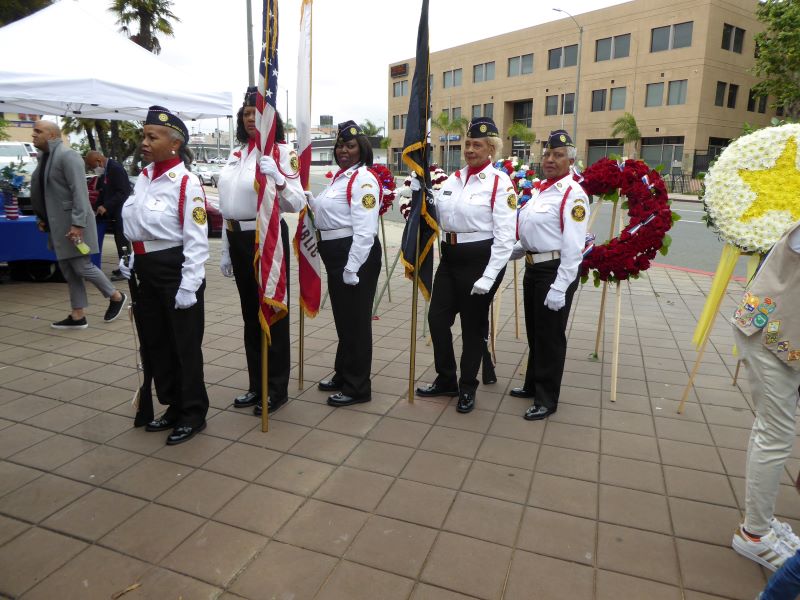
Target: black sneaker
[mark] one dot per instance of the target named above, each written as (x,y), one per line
(114,308)
(70,323)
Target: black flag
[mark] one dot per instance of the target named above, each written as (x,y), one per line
(422,216)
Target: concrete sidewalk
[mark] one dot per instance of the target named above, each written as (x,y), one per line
(387,500)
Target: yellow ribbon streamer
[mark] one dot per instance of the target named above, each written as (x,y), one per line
(727,263)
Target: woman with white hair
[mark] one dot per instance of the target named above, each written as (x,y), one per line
(552,232)
(476,206)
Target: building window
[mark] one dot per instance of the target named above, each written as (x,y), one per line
(751,101)
(395,121)
(520,65)
(671,37)
(558,58)
(719,96)
(676,92)
(617,100)
(602,148)
(567,104)
(733,90)
(732,38)
(523,112)
(762,105)
(608,48)
(778,111)
(666,151)
(598,100)
(483,72)
(654,95)
(451,78)
(476,110)
(551,105)
(400,88)
(456,113)
(488,110)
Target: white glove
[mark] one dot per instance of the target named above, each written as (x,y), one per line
(225,266)
(483,285)
(517,251)
(415,184)
(556,299)
(185,299)
(270,169)
(349,277)
(126,269)
(309,196)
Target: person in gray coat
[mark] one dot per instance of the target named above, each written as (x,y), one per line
(60,199)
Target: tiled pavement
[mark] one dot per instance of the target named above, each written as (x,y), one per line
(388,500)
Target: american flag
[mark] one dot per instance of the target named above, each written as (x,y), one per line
(269,249)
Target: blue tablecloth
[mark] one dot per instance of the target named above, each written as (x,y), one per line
(20,239)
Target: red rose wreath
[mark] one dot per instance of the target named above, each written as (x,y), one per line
(647,202)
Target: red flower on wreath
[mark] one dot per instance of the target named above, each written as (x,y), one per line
(649,219)
(386,180)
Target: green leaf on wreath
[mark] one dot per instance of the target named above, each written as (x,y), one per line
(625,205)
(611,196)
(659,168)
(675,217)
(596,279)
(615,157)
(584,278)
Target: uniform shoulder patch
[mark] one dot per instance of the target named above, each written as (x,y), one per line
(366,186)
(294,162)
(199,215)
(512,201)
(578,213)
(510,189)
(368,201)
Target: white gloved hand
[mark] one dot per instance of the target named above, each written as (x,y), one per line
(126,269)
(556,299)
(225,266)
(415,184)
(483,285)
(185,299)
(270,169)
(350,278)
(517,251)
(309,196)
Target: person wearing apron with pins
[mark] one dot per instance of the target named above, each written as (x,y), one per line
(346,216)
(165,220)
(552,232)
(477,206)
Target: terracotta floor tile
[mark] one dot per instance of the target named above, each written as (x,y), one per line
(576,437)
(152,533)
(148,478)
(635,552)
(98,465)
(691,456)
(730,437)
(516,427)
(417,502)
(138,440)
(558,535)
(281,436)
(351,581)
(379,457)
(467,565)
(698,485)
(11,528)
(18,437)
(629,445)
(612,586)
(32,556)
(484,518)
(325,446)
(436,468)
(323,527)
(354,488)
(506,451)
(295,474)
(399,431)
(215,553)
(42,497)
(563,494)
(101,427)
(201,492)
(498,481)
(683,431)
(704,522)
(232,425)
(282,570)
(156,583)
(391,545)
(423,591)
(53,452)
(719,570)
(259,509)
(551,579)
(62,417)
(26,407)
(349,422)
(637,474)
(202,449)
(452,441)
(568,463)
(633,508)
(94,515)
(478,420)
(422,410)
(15,476)
(576,414)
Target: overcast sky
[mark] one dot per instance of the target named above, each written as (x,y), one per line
(353,43)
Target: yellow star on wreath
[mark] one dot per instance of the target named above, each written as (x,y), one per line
(776,188)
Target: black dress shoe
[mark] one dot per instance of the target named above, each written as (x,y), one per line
(330,385)
(273,404)
(183,433)
(142,418)
(488,376)
(245,400)
(434,389)
(521,392)
(466,402)
(337,400)
(162,423)
(537,413)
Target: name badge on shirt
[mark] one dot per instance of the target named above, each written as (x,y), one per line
(157,205)
(447,193)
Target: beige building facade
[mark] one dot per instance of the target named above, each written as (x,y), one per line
(681,68)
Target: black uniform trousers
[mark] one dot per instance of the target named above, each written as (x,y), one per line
(172,338)
(352,314)
(546,330)
(460,267)
(242,248)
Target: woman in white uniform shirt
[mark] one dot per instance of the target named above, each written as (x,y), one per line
(346,215)
(477,207)
(238,202)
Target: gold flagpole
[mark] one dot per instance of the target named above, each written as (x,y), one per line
(264,380)
(302,332)
(414,289)
(516,300)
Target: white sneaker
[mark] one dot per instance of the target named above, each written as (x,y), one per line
(785,534)
(769,551)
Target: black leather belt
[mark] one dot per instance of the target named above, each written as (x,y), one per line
(234,225)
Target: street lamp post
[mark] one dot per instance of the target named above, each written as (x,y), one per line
(577,75)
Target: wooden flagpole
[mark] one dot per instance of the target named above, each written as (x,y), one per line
(602,313)
(301,351)
(617,328)
(264,385)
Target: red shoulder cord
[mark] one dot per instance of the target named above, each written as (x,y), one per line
(353,178)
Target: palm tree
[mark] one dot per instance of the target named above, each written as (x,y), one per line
(522,133)
(449,126)
(153,17)
(371,129)
(626,128)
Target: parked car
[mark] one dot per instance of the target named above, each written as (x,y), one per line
(205,174)
(32,151)
(215,221)
(15,152)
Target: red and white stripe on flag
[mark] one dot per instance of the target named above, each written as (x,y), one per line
(269,263)
(305,241)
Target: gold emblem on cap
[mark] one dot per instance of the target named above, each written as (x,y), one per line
(512,201)
(171,175)
(482,175)
(482,128)
(558,185)
(353,131)
(199,215)
(368,201)
(563,138)
(163,117)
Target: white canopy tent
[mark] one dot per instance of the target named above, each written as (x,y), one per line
(63,61)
